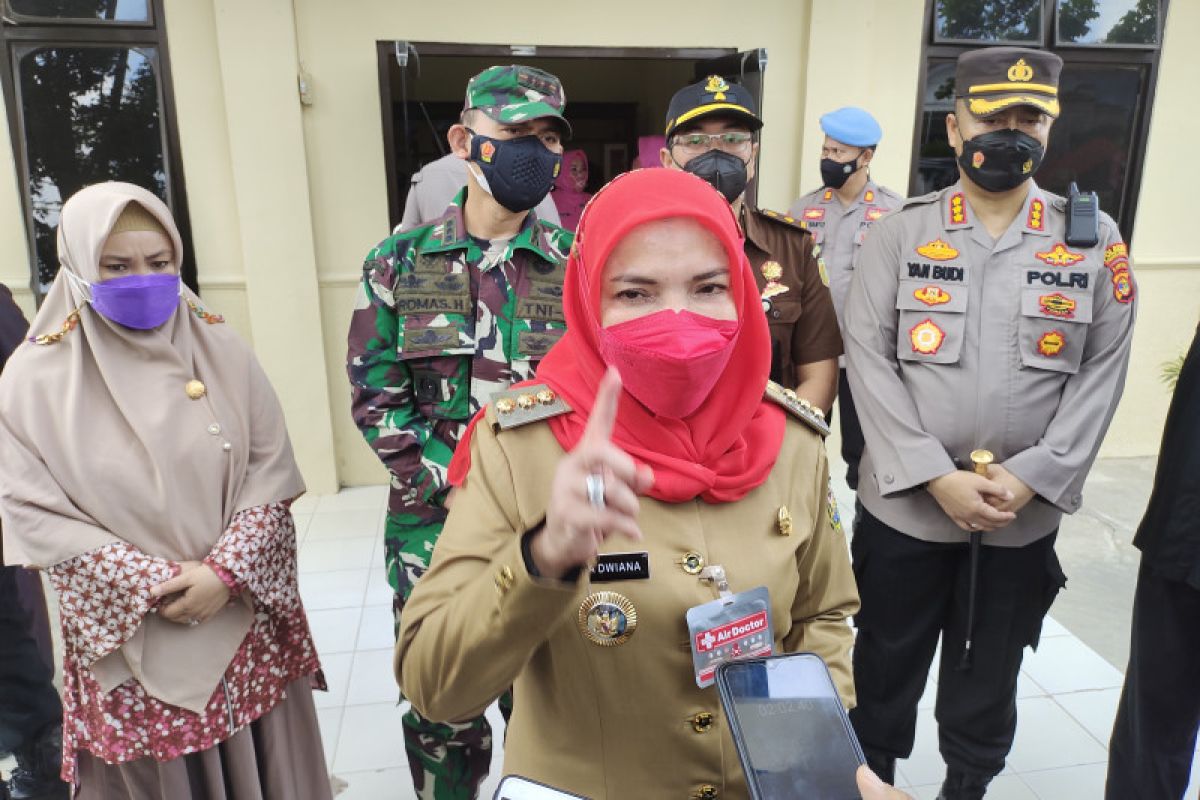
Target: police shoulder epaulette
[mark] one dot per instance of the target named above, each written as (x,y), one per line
(922,199)
(516,407)
(783,219)
(798,407)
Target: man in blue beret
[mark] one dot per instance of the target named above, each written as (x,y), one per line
(838,215)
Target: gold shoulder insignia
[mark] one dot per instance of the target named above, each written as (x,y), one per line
(516,407)
(803,410)
(785,219)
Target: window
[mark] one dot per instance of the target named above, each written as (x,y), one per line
(1110,50)
(88,101)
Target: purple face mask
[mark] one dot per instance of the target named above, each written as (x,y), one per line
(141,302)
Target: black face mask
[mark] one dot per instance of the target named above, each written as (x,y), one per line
(1001,160)
(835,173)
(726,172)
(519,172)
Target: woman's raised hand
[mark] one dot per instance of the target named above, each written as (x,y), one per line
(594,494)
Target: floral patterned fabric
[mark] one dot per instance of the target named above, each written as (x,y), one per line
(103,597)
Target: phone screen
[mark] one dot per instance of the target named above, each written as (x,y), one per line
(514,787)
(791,732)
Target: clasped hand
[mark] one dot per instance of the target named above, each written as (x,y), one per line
(976,503)
(576,528)
(193,596)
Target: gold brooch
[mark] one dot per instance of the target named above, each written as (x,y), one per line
(785,521)
(607,618)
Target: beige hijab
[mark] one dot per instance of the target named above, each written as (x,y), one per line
(99,443)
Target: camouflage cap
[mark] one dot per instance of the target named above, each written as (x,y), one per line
(517,94)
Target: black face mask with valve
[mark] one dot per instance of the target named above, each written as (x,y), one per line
(834,174)
(519,172)
(726,172)
(999,161)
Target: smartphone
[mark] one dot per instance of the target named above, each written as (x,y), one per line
(514,787)
(791,733)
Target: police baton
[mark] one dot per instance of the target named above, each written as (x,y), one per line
(980,459)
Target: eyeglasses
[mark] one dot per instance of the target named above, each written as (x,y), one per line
(732,142)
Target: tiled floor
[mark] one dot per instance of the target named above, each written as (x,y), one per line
(1067,693)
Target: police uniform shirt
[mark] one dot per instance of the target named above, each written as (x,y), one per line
(433,188)
(801,317)
(838,231)
(956,342)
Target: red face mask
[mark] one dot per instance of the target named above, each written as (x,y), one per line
(670,361)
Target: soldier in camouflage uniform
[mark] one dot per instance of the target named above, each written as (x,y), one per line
(449,313)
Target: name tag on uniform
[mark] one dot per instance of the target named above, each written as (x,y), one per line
(620,567)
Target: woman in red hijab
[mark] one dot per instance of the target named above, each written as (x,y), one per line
(650,471)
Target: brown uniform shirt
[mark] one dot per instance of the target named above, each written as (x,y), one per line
(587,717)
(802,320)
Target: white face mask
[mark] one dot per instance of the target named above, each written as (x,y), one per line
(479,177)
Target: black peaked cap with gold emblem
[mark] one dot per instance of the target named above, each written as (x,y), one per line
(711,97)
(995,78)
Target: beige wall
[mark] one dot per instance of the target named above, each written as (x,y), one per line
(345,143)
(286,199)
(1166,253)
(14,248)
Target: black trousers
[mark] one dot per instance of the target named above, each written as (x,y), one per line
(1154,735)
(912,592)
(852,435)
(28,700)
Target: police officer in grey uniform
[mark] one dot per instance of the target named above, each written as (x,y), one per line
(838,216)
(973,322)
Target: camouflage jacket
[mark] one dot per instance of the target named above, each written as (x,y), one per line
(438,326)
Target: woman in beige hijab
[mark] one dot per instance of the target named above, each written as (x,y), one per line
(145,466)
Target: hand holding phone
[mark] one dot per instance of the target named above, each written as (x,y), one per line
(791,732)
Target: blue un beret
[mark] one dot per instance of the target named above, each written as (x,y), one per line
(852,126)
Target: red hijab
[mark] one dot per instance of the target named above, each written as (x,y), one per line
(728,446)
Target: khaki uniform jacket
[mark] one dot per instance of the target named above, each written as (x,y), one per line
(802,320)
(956,342)
(624,721)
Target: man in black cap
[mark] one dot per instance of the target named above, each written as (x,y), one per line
(711,132)
(975,323)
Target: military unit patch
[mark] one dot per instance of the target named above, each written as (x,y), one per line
(932,295)
(1115,253)
(937,250)
(926,337)
(1051,343)
(1122,286)
(1057,305)
(831,507)
(1059,256)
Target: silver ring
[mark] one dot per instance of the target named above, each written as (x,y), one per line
(974,525)
(595,490)
(193,622)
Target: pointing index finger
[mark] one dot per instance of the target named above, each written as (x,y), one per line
(604,410)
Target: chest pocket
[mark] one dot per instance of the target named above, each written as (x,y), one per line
(538,319)
(437,340)
(932,318)
(1053,328)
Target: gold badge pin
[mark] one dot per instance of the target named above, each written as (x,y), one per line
(772,270)
(785,521)
(195,389)
(607,619)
